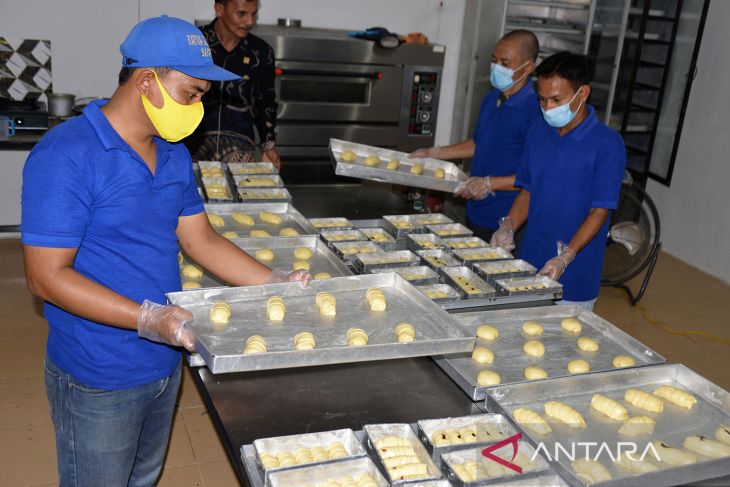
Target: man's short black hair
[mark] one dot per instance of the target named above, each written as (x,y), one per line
(126,73)
(577,69)
(529,45)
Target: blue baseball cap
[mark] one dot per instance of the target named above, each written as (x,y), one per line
(171,42)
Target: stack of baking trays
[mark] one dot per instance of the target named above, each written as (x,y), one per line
(253,182)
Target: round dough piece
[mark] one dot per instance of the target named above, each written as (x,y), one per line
(304,341)
(482,355)
(534,348)
(488,378)
(405,332)
(302,253)
(180,258)
(192,271)
(356,337)
(348,156)
(288,232)
(588,344)
(371,161)
(487,332)
(255,344)
(417,169)
(440,173)
(621,361)
(578,366)
(191,285)
(216,220)
(571,325)
(323,275)
(265,254)
(242,218)
(393,164)
(230,234)
(259,234)
(532,328)
(301,264)
(270,218)
(534,373)
(220,312)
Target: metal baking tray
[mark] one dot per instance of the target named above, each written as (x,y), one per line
(347,251)
(379,236)
(450,230)
(385,260)
(453,176)
(349,235)
(374,432)
(451,294)
(430,483)
(291,218)
(425,219)
(263,195)
(672,425)
(259,181)
(504,269)
(216,197)
(418,276)
(483,254)
(199,181)
(482,289)
(506,452)
(336,223)
(466,243)
(424,241)
(437,259)
(221,348)
(402,225)
(533,285)
(212,169)
(251,168)
(321,473)
(560,347)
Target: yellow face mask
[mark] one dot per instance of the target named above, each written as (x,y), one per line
(174,121)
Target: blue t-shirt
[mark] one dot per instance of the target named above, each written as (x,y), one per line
(566,177)
(85,188)
(500,140)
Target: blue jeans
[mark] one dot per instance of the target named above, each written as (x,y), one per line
(110,438)
(586,304)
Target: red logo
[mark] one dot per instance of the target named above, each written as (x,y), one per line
(487,452)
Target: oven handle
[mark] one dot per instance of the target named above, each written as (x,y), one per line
(331,74)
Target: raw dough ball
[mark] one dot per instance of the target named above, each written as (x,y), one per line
(533,328)
(259,233)
(578,366)
(534,348)
(534,373)
(192,271)
(621,361)
(587,344)
(393,165)
(191,285)
(440,173)
(326,303)
(348,156)
(275,308)
(255,344)
(487,332)
(571,325)
(220,312)
(270,218)
(180,258)
(323,275)
(371,161)
(216,220)
(482,355)
(405,332)
(302,253)
(242,218)
(265,254)
(376,299)
(230,235)
(356,337)
(488,378)
(417,169)
(304,341)
(288,232)
(301,264)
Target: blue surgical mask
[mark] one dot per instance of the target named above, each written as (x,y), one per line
(501,76)
(562,115)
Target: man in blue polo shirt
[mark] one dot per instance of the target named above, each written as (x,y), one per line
(571,181)
(506,115)
(106,200)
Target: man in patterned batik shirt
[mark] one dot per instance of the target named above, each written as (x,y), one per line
(233,109)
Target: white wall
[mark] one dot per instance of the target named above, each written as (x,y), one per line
(695,210)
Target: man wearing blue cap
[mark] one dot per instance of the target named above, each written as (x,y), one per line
(107,198)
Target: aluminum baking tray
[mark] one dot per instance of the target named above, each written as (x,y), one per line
(504,269)
(470,257)
(221,348)
(672,425)
(466,242)
(374,432)
(319,475)
(385,260)
(259,181)
(212,169)
(560,346)
(533,285)
(199,181)
(418,276)
(264,195)
(291,218)
(347,251)
(539,465)
(450,230)
(424,241)
(451,294)
(437,259)
(336,223)
(425,219)
(349,235)
(225,196)
(402,225)
(474,288)
(431,483)
(402,175)
(379,236)
(248,168)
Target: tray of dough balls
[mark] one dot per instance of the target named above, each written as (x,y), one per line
(264,195)
(449,230)
(522,345)
(258,181)
(389,166)
(402,225)
(418,276)
(370,262)
(330,321)
(258,220)
(249,168)
(658,425)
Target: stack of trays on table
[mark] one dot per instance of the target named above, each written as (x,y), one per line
(254,182)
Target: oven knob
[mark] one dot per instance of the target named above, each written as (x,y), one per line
(424,116)
(426,97)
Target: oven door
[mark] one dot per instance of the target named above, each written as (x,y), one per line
(310,91)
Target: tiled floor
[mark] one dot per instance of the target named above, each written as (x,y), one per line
(679,295)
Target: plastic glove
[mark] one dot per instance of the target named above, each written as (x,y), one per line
(505,235)
(165,324)
(432,152)
(555,267)
(475,188)
(280,276)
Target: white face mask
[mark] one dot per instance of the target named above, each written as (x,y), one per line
(562,115)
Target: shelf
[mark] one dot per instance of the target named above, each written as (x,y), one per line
(646,87)
(549,4)
(638,108)
(565,29)
(651,64)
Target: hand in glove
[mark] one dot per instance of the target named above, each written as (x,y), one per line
(475,188)
(555,267)
(165,324)
(504,236)
(432,152)
(280,276)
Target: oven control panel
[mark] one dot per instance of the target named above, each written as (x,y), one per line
(423,103)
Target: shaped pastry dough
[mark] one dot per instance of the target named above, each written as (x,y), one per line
(326,303)
(191,285)
(337,450)
(638,425)
(248,182)
(259,234)
(270,218)
(242,218)
(220,312)
(376,299)
(268,461)
(302,253)
(723,434)
(393,164)
(348,156)
(216,220)
(531,419)
(405,332)
(635,465)
(609,407)
(288,232)
(303,455)
(356,337)
(644,400)
(409,471)
(323,275)
(439,173)
(578,366)
(417,169)
(534,348)
(265,254)
(319,454)
(482,355)
(534,373)
(371,161)
(676,396)
(565,414)
(488,378)
(255,344)
(571,325)
(487,332)
(304,341)
(532,328)
(275,308)
(588,344)
(389,441)
(704,446)
(180,258)
(621,361)
(230,235)
(301,265)
(192,271)
(673,456)
(590,471)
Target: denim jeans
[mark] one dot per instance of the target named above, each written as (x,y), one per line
(110,438)
(586,304)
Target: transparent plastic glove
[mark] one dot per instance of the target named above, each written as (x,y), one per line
(432,152)
(475,188)
(281,276)
(165,324)
(505,235)
(555,267)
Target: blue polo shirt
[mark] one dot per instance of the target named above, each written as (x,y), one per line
(500,141)
(566,177)
(85,188)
